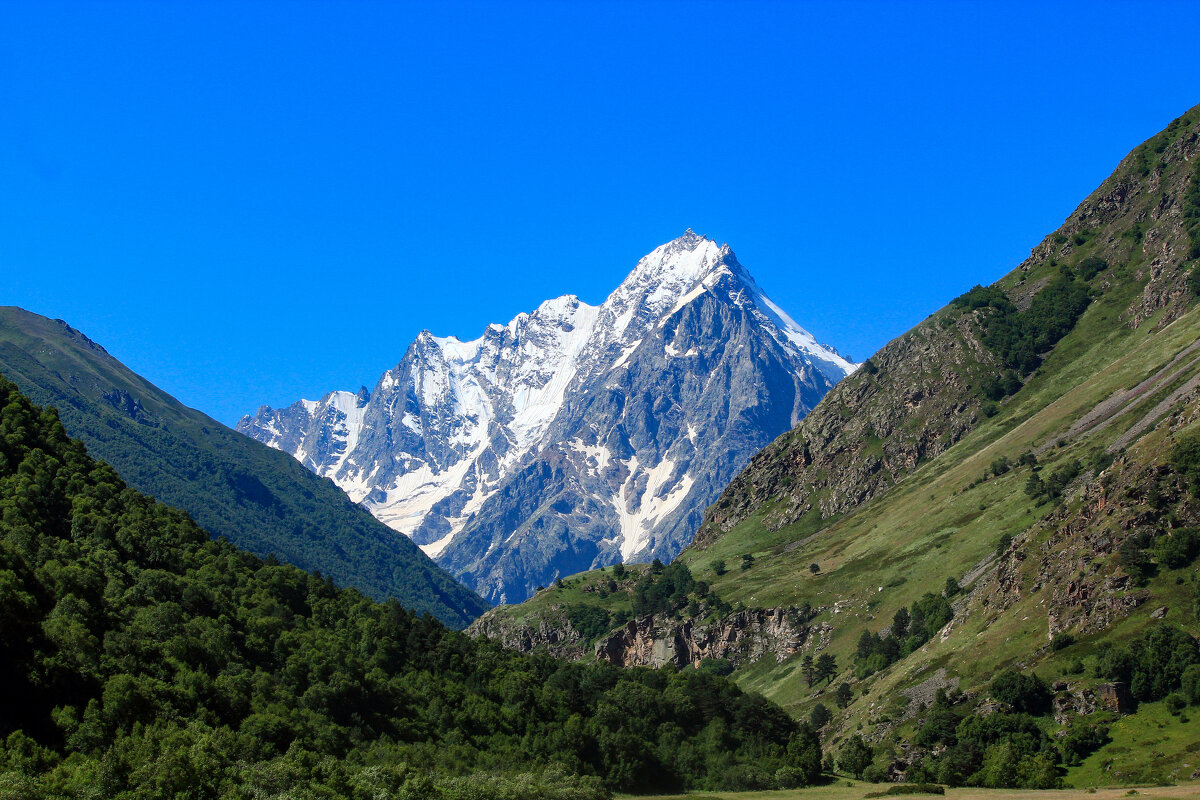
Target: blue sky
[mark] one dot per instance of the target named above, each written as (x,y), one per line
(253,202)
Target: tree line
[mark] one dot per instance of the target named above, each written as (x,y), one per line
(143,659)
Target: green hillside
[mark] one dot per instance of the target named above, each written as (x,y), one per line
(1033,443)
(143,659)
(260,499)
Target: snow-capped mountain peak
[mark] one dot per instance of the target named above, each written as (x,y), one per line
(574,435)
(668,272)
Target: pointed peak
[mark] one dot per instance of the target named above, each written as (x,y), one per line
(558,304)
(690,240)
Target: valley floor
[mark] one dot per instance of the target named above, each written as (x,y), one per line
(855,790)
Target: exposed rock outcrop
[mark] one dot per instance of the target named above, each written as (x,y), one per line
(553,634)
(740,638)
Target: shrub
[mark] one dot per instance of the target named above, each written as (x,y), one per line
(855,756)
(1100,461)
(1090,267)
(1153,664)
(1025,693)
(1134,559)
(874,773)
(911,628)
(1081,740)
(715,666)
(1178,548)
(590,621)
(790,778)
(1185,459)
(747,778)
(1062,641)
(1020,337)
(1003,545)
(1190,684)
(908,788)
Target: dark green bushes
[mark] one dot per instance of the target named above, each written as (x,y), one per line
(1191,213)
(671,588)
(1051,488)
(1184,458)
(143,659)
(1027,694)
(855,756)
(1090,267)
(1153,664)
(1061,641)
(911,627)
(591,621)
(1002,751)
(1081,740)
(1019,338)
(908,788)
(1177,548)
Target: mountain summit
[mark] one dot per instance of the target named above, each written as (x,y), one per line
(575,436)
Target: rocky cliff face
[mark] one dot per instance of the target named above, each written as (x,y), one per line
(740,638)
(576,436)
(553,635)
(910,402)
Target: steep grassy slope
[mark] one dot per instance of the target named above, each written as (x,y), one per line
(256,497)
(915,470)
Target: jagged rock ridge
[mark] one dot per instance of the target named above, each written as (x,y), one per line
(575,436)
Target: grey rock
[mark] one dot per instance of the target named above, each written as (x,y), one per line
(573,437)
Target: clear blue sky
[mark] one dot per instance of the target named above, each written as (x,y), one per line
(253,202)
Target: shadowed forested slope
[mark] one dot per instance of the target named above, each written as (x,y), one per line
(258,498)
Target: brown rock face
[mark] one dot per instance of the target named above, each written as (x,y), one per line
(741,638)
(1115,697)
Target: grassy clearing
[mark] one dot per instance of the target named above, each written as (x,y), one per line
(1151,745)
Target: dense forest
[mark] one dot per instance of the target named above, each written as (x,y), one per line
(144,659)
